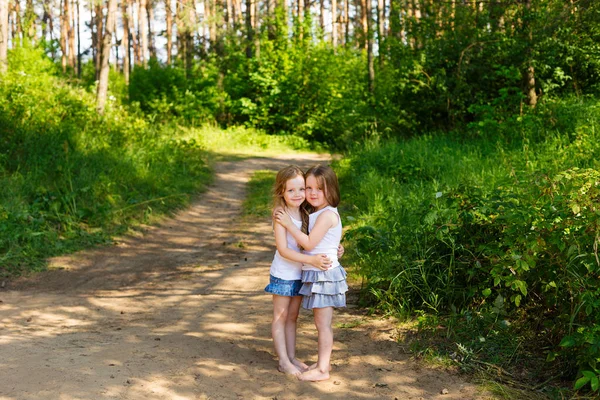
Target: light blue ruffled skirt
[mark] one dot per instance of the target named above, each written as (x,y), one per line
(324,288)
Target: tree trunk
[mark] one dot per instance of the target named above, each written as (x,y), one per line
(249,29)
(347,22)
(206,25)
(229,20)
(71,37)
(151,36)
(212,24)
(78,39)
(17,24)
(105,55)
(125,41)
(322,15)
(530,73)
(143,28)
(169,18)
(48,26)
(364,24)
(137,55)
(334,24)
(3,36)
(64,34)
(370,65)
(380,28)
(30,17)
(99,16)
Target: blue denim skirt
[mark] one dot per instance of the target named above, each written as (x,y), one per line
(283,287)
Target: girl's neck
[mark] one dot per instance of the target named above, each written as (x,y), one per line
(293,211)
(322,207)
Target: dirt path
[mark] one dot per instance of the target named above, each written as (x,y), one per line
(180,313)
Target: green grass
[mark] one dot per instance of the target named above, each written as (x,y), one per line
(259,198)
(72,179)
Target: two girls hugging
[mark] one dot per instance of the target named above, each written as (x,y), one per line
(305,269)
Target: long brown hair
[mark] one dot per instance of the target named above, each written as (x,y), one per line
(284,175)
(328,182)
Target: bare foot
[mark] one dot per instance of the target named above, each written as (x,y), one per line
(300,365)
(314,375)
(289,370)
(314,366)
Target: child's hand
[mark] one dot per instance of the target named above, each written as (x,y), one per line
(283,218)
(321,261)
(340,252)
(276,210)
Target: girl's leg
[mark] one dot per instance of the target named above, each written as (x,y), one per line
(290,332)
(280,315)
(323,319)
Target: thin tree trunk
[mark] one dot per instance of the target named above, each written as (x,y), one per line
(322,15)
(169,18)
(105,55)
(125,41)
(143,28)
(3,36)
(64,34)
(380,28)
(237,12)
(99,38)
(530,73)
(48,25)
(364,23)
(78,39)
(206,25)
(249,29)
(300,6)
(137,54)
(18,24)
(334,24)
(347,22)
(229,20)
(30,17)
(71,37)
(151,36)
(212,27)
(370,65)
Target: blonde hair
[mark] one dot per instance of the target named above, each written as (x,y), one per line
(327,181)
(283,176)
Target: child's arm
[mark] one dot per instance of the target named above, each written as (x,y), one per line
(325,221)
(320,261)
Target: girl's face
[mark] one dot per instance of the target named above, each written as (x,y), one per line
(315,195)
(294,192)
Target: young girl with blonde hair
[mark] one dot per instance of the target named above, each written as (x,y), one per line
(286,268)
(323,289)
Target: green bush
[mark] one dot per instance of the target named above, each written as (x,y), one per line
(442,226)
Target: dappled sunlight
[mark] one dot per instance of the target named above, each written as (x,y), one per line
(180,313)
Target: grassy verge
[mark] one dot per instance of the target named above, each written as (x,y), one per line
(72,179)
(259,199)
(491,242)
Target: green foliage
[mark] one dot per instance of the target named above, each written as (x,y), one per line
(72,178)
(192,97)
(494,227)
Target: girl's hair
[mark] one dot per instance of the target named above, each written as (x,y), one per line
(328,182)
(284,175)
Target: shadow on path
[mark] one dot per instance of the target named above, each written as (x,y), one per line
(180,313)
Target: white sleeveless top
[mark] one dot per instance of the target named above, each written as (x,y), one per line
(330,242)
(283,268)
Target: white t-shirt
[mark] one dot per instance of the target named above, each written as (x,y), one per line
(330,242)
(283,268)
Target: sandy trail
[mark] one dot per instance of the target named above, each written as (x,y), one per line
(180,313)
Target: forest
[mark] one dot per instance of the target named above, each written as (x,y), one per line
(468,132)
